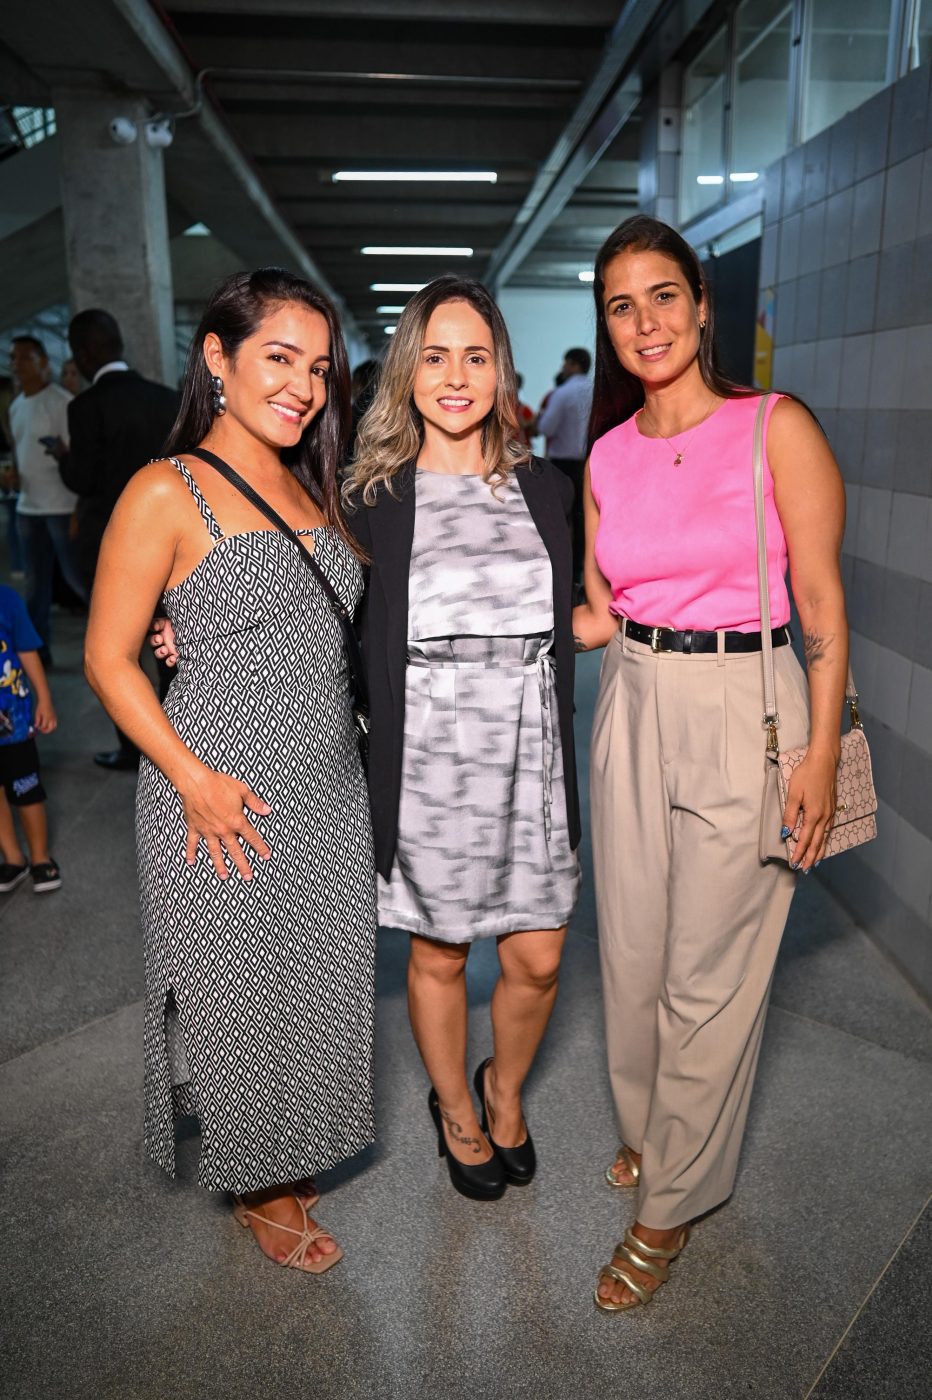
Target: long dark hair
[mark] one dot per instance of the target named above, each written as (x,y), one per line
(235,311)
(617,393)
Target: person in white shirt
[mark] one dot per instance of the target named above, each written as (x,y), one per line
(564,422)
(38,416)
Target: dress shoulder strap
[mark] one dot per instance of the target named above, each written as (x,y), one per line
(207,514)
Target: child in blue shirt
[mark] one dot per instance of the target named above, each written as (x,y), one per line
(25,707)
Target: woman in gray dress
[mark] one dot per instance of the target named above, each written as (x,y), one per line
(468,639)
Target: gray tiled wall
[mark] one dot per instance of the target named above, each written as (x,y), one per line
(847,245)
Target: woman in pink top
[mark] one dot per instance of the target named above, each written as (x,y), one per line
(690,918)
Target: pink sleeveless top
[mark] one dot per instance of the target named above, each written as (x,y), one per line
(678,544)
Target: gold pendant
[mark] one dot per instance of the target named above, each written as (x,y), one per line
(677,459)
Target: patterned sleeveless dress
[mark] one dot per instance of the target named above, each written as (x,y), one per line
(483,841)
(259,994)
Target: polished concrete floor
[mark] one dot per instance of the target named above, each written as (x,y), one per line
(117,1282)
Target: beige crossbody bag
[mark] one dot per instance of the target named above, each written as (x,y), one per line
(856,811)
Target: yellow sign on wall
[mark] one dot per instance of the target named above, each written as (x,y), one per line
(763,340)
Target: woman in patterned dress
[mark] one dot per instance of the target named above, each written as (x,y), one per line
(467,634)
(253,832)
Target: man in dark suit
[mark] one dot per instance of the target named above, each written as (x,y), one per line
(115,426)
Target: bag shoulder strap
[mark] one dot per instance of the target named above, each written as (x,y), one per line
(351,641)
(771,715)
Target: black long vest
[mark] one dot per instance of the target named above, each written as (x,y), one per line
(386,532)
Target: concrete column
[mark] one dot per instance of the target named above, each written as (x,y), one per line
(116,226)
(658,190)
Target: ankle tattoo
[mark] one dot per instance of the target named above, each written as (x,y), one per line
(457,1134)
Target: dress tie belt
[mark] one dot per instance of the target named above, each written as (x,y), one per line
(545,670)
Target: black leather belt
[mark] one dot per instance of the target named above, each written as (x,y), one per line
(661,639)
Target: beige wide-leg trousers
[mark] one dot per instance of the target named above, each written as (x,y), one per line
(690,919)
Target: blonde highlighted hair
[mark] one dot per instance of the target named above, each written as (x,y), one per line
(392,432)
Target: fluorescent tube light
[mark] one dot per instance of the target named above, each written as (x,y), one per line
(743,177)
(378,250)
(473,177)
(390,330)
(710,179)
(396,286)
(389,310)
(586,276)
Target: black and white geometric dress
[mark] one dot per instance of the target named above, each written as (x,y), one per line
(259,994)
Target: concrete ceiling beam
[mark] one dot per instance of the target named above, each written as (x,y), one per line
(351,102)
(392,58)
(484,12)
(607,104)
(124,45)
(374,142)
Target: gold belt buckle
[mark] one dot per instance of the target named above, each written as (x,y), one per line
(655,646)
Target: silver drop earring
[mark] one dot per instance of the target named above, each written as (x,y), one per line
(217,402)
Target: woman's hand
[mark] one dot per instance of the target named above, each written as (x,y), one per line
(213,810)
(162,640)
(810,804)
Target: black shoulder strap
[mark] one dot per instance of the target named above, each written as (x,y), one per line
(350,640)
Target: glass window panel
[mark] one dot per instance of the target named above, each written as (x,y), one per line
(920,39)
(761,123)
(702,169)
(847,60)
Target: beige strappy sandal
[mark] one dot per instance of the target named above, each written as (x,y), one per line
(624,1154)
(305,1238)
(647,1259)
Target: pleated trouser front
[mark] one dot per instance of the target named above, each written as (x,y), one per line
(690,919)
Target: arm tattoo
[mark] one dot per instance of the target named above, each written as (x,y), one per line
(457,1134)
(815,645)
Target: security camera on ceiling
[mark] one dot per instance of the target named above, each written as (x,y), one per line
(123,131)
(159,130)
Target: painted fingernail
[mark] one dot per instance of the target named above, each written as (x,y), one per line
(807,869)
(794,864)
(784,832)
(818,863)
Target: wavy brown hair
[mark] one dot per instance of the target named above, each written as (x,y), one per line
(235,311)
(392,432)
(616,392)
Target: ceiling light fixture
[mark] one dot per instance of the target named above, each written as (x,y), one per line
(710,179)
(390,330)
(473,177)
(396,286)
(389,310)
(586,276)
(743,177)
(388,250)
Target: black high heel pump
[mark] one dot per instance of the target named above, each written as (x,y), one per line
(483,1182)
(520,1162)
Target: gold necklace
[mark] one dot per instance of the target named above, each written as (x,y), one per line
(680,452)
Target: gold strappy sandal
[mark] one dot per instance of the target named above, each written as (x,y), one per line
(625,1154)
(646,1258)
(305,1238)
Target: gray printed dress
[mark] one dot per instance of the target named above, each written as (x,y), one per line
(259,994)
(483,846)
